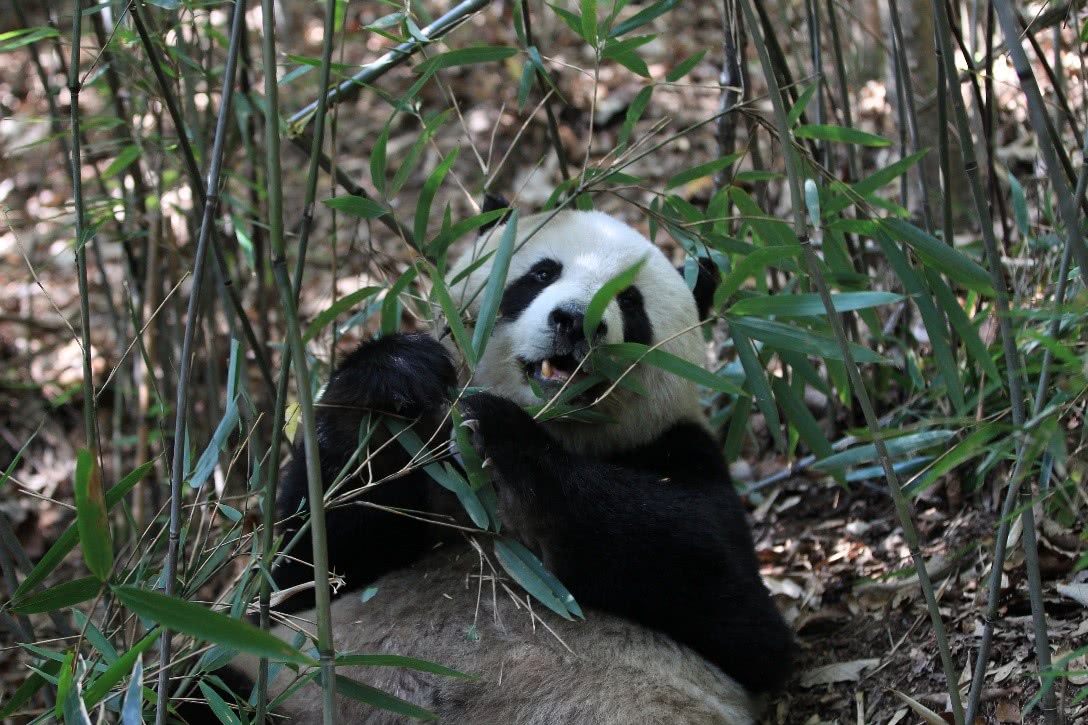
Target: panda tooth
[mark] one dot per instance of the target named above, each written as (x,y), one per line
(546,370)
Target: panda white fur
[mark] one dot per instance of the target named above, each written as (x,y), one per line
(637,517)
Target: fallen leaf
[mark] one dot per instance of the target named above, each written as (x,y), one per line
(1007,711)
(930,717)
(837,672)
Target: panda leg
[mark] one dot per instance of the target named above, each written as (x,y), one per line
(657,535)
(406,376)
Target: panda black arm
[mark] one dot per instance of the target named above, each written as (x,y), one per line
(405,375)
(657,535)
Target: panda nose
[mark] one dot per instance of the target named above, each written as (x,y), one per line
(568,322)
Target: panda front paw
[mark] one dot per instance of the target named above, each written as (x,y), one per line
(404,374)
(502,433)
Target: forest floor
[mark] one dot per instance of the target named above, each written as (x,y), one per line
(833,556)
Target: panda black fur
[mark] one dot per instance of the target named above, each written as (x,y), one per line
(638,518)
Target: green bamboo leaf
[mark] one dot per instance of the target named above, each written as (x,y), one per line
(465,56)
(377,158)
(209,457)
(430,188)
(489,306)
(122,161)
(642,17)
(637,352)
(778,334)
(360,206)
(517,549)
(470,459)
(684,67)
(382,700)
(902,445)
(1019,205)
(870,184)
(528,573)
(964,327)
(810,305)
(67,541)
(589,21)
(443,474)
(573,20)
(115,672)
(408,164)
(756,380)
(411,663)
(608,291)
(614,48)
(453,318)
(753,265)
(452,233)
(28,688)
(942,257)
(698,172)
(15,39)
(132,708)
(799,416)
(634,113)
(218,705)
(58,597)
(799,107)
(205,624)
(633,63)
(391,302)
(342,305)
(91,519)
(823,132)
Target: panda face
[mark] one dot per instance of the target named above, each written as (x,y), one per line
(560,261)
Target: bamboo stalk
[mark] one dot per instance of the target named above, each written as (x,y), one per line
(185,364)
(298,354)
(295,349)
(197,182)
(902,506)
(90,415)
(349,89)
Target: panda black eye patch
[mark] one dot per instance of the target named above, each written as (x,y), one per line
(636,323)
(520,293)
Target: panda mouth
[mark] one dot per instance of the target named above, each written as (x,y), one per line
(555,370)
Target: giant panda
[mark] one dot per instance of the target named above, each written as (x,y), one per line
(636,516)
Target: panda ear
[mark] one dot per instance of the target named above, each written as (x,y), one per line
(706,283)
(493,202)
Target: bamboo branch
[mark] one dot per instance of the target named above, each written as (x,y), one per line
(192,314)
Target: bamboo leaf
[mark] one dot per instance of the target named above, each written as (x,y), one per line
(411,663)
(589,21)
(896,447)
(122,161)
(642,17)
(382,700)
(59,597)
(465,56)
(823,132)
(529,573)
(360,206)
(342,305)
(756,381)
(810,305)
(132,708)
(637,352)
(67,541)
(698,172)
(91,519)
(942,257)
(205,624)
(115,672)
(602,297)
(489,306)
(778,334)
(684,67)
(430,187)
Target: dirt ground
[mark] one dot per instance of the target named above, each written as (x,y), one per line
(828,553)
